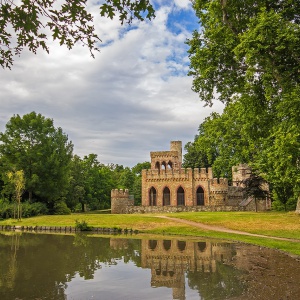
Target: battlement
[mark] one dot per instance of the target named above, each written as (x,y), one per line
(163,154)
(119,193)
(219,182)
(168,174)
(203,173)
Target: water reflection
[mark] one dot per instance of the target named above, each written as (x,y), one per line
(47,266)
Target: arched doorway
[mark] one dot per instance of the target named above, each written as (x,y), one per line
(152,197)
(200,196)
(180,196)
(166,196)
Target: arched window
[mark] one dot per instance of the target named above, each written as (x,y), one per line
(167,244)
(170,165)
(181,245)
(163,165)
(201,246)
(180,196)
(152,244)
(157,165)
(200,196)
(152,197)
(166,196)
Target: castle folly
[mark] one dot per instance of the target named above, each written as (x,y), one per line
(167,187)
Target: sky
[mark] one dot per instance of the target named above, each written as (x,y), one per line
(132,98)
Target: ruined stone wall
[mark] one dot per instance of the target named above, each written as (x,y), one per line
(120,201)
(218,194)
(240,173)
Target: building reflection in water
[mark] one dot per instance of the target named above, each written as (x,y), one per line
(214,270)
(169,260)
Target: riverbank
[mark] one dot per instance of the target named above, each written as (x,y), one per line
(268,225)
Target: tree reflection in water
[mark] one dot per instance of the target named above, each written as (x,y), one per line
(49,266)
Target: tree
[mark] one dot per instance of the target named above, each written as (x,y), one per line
(26,23)
(255,186)
(76,188)
(137,184)
(17,180)
(248,55)
(244,45)
(31,143)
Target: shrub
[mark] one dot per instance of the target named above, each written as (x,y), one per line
(61,208)
(28,209)
(34,209)
(83,225)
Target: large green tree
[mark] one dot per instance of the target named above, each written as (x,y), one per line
(247,55)
(31,143)
(29,23)
(245,46)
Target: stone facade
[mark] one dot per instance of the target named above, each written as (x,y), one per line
(167,187)
(120,201)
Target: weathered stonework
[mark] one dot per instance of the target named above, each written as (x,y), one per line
(120,201)
(167,187)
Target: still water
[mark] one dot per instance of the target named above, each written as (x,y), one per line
(82,267)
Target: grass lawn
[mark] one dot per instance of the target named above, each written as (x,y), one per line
(266,223)
(277,224)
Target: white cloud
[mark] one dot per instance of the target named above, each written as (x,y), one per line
(133,98)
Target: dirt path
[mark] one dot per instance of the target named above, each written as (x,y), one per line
(224,229)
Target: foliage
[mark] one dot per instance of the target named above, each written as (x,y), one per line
(61,208)
(255,186)
(28,209)
(27,23)
(245,44)
(83,225)
(17,180)
(31,143)
(247,56)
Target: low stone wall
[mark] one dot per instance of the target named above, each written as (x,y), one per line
(174,209)
(65,229)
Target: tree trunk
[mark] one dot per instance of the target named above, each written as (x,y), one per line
(30,196)
(298,206)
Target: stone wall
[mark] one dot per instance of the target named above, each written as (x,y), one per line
(174,209)
(120,201)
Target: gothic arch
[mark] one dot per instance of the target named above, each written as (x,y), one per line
(180,196)
(152,196)
(170,165)
(181,245)
(201,246)
(163,165)
(157,165)
(166,196)
(167,244)
(200,195)
(152,244)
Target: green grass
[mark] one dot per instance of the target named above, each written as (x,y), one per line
(286,225)
(277,224)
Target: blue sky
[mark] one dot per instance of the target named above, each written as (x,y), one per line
(133,98)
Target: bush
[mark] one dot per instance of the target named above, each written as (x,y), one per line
(28,209)
(34,209)
(6,210)
(82,225)
(61,208)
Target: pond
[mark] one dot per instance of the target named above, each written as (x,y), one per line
(81,267)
